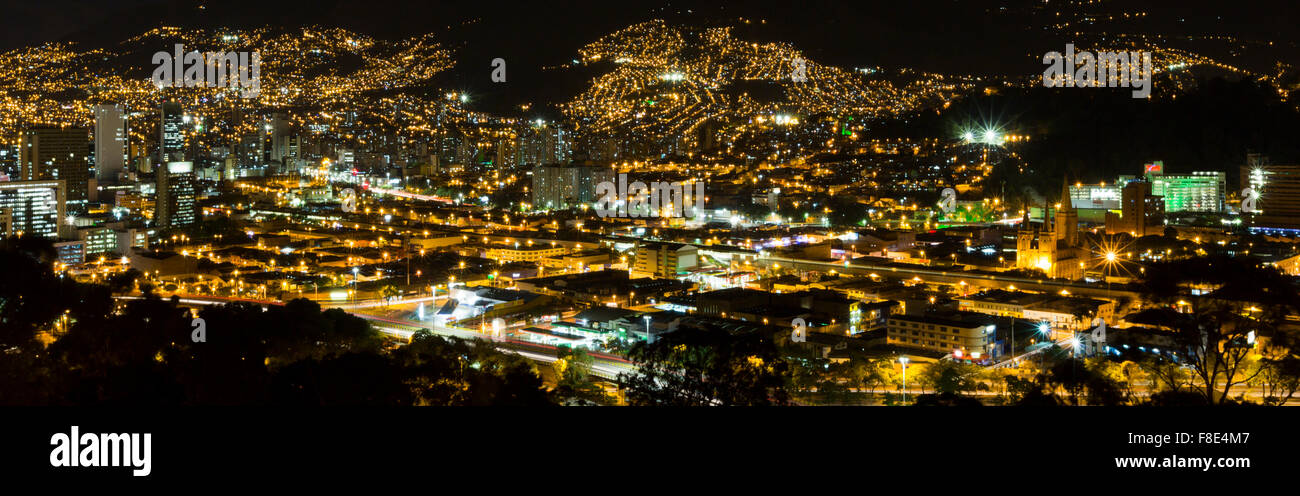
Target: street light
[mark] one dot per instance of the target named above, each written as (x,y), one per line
(903,360)
(355,272)
(647,327)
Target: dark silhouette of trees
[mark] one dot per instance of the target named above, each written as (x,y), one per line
(443,371)
(350,379)
(66,343)
(1279,368)
(1027,392)
(29,290)
(1165,374)
(575,385)
(1176,398)
(124,282)
(707,366)
(946,399)
(1219,337)
(948,377)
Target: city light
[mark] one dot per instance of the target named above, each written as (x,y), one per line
(958,218)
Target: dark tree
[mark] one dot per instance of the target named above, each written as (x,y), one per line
(707,366)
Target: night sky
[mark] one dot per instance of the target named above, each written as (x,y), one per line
(945,36)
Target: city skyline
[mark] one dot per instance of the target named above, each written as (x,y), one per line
(666,206)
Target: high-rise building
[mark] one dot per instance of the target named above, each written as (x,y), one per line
(1202,191)
(564,186)
(35,207)
(276,139)
(465,152)
(543,144)
(1277,207)
(506,154)
(171,128)
(110,142)
(1142,213)
(176,193)
(58,154)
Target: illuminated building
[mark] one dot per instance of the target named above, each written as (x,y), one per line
(35,207)
(276,140)
(564,186)
(603,286)
(1195,192)
(542,144)
(1070,313)
(589,259)
(71,252)
(972,335)
(1278,203)
(1059,312)
(58,154)
(98,240)
(176,190)
(1051,245)
(1142,213)
(568,334)
(665,259)
(1202,191)
(110,142)
(1000,302)
(523,253)
(171,138)
(1095,196)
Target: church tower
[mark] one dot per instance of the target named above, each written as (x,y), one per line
(1052,245)
(1067,218)
(1036,244)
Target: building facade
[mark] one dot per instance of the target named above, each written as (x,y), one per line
(565,186)
(110,142)
(970,335)
(1277,208)
(55,154)
(35,207)
(175,205)
(171,137)
(665,259)
(1195,192)
(1051,246)
(1142,213)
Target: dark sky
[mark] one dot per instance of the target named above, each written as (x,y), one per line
(948,36)
(38,21)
